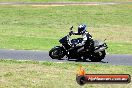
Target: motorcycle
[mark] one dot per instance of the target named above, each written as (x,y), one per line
(66,49)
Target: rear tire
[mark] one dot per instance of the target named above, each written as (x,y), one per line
(56,53)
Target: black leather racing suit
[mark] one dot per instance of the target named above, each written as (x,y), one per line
(87,42)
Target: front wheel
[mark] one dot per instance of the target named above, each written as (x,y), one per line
(56,53)
(97,57)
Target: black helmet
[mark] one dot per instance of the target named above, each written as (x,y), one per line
(81,29)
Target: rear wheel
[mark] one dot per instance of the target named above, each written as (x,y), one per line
(97,57)
(56,53)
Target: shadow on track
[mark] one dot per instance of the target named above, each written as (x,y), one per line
(74,60)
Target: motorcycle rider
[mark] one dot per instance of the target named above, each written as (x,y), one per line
(87,41)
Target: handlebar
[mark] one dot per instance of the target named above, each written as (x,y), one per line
(70,33)
(71,28)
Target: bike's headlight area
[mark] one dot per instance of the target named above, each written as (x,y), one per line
(96,47)
(103,45)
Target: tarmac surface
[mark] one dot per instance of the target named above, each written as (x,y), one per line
(63,3)
(115,59)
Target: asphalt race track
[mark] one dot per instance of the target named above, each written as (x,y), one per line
(63,3)
(115,59)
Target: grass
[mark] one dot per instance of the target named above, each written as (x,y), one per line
(33,74)
(40,28)
(65,1)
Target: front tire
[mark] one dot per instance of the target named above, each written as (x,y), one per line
(56,53)
(97,57)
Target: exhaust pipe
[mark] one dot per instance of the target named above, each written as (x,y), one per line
(100,49)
